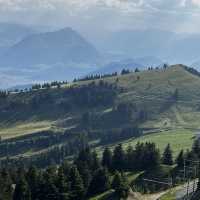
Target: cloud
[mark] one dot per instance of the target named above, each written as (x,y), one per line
(109,14)
(196,2)
(77,5)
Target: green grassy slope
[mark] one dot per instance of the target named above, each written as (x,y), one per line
(151,91)
(172,121)
(179,139)
(154,88)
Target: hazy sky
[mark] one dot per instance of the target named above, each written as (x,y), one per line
(94,15)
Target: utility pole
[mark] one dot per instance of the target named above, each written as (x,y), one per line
(169,183)
(192,168)
(184,169)
(188,186)
(195,175)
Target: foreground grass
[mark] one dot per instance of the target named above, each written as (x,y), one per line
(131,176)
(178,139)
(169,195)
(104,196)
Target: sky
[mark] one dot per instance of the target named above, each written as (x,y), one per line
(100,15)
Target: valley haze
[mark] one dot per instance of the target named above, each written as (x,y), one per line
(29,54)
(99,99)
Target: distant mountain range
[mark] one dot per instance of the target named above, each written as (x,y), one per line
(47,56)
(130,64)
(170,46)
(11,34)
(29,54)
(63,47)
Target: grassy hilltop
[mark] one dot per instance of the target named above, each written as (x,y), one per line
(162,102)
(151,90)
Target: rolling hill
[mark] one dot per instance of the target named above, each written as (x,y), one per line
(151,89)
(104,112)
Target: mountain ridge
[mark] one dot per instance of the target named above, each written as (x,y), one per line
(61,46)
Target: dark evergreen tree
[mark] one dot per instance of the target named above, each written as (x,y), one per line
(120,185)
(63,186)
(47,185)
(107,158)
(22,191)
(137,70)
(196,148)
(165,66)
(65,168)
(95,162)
(6,189)
(100,182)
(167,158)
(130,161)
(33,181)
(190,155)
(151,156)
(138,158)
(180,159)
(77,190)
(86,174)
(118,160)
(85,156)
(175,96)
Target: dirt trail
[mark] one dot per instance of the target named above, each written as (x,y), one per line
(138,196)
(180,192)
(153,196)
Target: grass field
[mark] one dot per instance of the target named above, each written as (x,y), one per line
(151,91)
(25,128)
(178,139)
(169,196)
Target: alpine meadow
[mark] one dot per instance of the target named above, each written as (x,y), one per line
(99,100)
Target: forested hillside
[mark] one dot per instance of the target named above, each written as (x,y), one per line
(61,118)
(113,130)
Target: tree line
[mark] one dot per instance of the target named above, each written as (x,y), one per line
(88,174)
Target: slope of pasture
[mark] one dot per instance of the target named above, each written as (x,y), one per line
(25,128)
(152,90)
(178,139)
(149,90)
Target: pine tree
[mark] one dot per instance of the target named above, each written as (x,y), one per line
(85,173)
(22,191)
(84,156)
(196,148)
(63,186)
(47,185)
(86,164)
(95,161)
(118,160)
(167,158)
(77,190)
(176,95)
(180,159)
(139,154)
(32,179)
(150,156)
(130,155)
(65,167)
(120,185)
(107,158)
(100,182)
(6,189)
